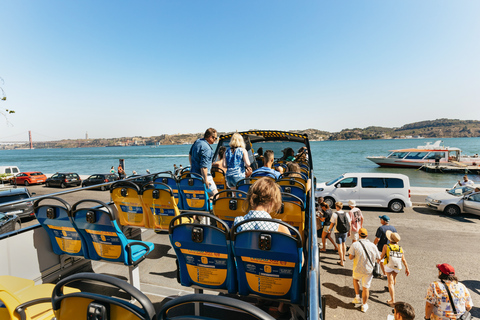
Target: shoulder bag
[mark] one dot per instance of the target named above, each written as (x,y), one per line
(377,271)
(467,315)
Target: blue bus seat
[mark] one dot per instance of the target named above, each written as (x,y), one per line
(58,223)
(127,198)
(245,184)
(260,174)
(193,192)
(300,177)
(269,263)
(203,253)
(91,305)
(218,176)
(104,238)
(160,201)
(277,164)
(229,204)
(170,180)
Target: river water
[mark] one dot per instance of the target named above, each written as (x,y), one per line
(330,158)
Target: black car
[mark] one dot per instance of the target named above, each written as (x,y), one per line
(99,179)
(9,223)
(63,180)
(141,180)
(22,210)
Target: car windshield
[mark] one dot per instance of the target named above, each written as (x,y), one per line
(13,197)
(329,183)
(460,191)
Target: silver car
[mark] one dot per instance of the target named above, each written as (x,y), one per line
(456,200)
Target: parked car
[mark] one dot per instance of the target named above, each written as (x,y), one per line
(63,180)
(9,223)
(8,172)
(99,179)
(454,201)
(22,210)
(27,178)
(389,190)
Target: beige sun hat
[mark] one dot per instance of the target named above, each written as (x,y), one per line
(393,236)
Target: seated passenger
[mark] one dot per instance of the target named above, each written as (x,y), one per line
(263,198)
(302,155)
(293,170)
(259,157)
(289,154)
(221,156)
(267,170)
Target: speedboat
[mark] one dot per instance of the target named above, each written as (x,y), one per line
(422,155)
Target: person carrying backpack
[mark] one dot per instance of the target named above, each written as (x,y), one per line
(393,256)
(341,221)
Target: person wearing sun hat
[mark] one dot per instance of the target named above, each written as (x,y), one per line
(393,257)
(362,266)
(438,305)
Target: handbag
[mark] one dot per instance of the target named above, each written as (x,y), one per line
(377,272)
(467,315)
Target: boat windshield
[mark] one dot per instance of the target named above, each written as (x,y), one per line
(397,155)
(435,155)
(416,155)
(460,191)
(329,183)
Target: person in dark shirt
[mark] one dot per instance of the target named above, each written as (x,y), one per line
(381,237)
(200,157)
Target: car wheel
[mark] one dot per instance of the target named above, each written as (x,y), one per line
(63,185)
(330,202)
(26,183)
(18,225)
(452,210)
(47,184)
(396,205)
(103,188)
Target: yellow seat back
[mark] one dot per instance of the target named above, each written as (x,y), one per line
(129,203)
(229,204)
(160,204)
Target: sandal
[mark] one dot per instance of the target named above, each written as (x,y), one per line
(339,263)
(323,250)
(391,303)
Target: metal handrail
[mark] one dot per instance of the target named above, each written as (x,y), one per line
(73,190)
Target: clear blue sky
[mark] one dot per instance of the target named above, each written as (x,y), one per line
(143,68)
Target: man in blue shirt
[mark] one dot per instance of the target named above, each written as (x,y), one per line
(267,170)
(200,157)
(381,237)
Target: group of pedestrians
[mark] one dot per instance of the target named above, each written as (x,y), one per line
(445,299)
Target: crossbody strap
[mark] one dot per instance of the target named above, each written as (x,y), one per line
(450,297)
(367,253)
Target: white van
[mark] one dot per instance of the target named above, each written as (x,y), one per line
(389,190)
(8,172)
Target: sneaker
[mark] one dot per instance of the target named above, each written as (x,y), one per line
(364,307)
(356,300)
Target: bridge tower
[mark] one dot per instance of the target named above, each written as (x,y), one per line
(30,139)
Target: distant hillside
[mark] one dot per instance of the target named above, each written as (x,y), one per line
(440,128)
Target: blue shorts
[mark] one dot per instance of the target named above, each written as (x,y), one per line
(341,237)
(232,180)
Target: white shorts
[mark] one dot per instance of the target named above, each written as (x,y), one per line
(354,236)
(213,186)
(366,279)
(388,270)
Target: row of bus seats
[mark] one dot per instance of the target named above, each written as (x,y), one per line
(155,204)
(267,264)
(89,232)
(22,300)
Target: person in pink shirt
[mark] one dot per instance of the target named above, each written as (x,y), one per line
(356,218)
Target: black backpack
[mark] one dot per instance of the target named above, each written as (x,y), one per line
(342,223)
